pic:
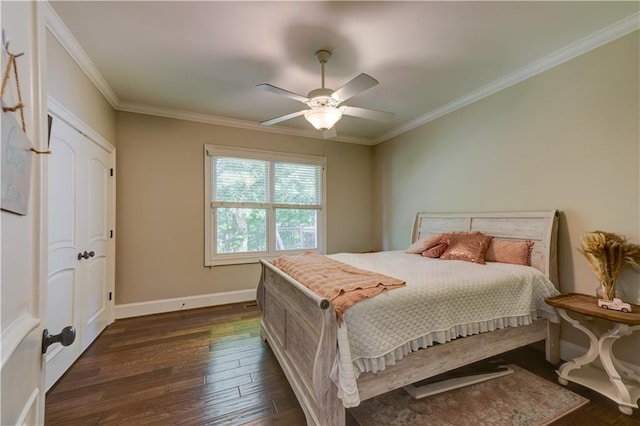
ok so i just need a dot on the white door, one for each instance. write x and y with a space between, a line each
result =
23 254
63 272
78 290
95 311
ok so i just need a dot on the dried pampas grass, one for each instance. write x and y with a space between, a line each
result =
608 253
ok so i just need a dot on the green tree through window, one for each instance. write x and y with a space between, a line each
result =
263 203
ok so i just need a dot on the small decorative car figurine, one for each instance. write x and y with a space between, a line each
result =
615 304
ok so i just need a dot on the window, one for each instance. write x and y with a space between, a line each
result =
261 204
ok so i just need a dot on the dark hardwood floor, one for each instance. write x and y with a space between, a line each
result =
210 366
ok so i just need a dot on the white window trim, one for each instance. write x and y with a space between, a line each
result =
213 259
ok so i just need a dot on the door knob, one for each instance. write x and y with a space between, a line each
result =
66 337
86 255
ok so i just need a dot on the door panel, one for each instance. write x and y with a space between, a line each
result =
61 290
62 172
95 300
97 197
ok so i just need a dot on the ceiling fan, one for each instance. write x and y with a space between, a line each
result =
325 107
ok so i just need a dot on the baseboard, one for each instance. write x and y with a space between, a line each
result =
129 310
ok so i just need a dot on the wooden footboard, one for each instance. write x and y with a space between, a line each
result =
300 327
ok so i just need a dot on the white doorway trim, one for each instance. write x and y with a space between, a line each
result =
59 111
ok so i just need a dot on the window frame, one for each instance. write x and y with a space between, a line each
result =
211 257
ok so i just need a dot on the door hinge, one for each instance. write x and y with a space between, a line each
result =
110 295
111 172
111 233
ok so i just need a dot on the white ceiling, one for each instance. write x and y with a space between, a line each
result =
202 59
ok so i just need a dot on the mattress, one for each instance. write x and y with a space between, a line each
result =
443 300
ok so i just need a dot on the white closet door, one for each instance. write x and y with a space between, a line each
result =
65 211
96 295
79 207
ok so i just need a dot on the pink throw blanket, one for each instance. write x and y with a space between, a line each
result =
343 285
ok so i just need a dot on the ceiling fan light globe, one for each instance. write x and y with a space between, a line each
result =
323 118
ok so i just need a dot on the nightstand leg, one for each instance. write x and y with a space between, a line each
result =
612 365
587 358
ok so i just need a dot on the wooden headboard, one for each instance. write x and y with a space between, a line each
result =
539 227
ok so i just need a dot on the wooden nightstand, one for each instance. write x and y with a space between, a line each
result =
608 382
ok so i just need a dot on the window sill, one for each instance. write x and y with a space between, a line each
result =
244 260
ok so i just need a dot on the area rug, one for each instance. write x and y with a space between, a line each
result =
520 398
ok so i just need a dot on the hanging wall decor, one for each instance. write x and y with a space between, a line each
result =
16 147
16 166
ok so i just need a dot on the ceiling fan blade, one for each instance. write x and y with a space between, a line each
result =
369 114
329 133
282 118
278 91
358 85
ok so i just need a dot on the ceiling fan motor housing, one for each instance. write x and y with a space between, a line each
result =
322 97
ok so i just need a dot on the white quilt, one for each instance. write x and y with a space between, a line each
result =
443 299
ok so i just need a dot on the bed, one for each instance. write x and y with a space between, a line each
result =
303 331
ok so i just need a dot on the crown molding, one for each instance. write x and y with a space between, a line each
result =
584 45
60 31
232 122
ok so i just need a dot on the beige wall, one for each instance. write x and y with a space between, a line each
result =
566 139
71 87
160 196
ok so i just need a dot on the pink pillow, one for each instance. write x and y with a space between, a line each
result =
435 251
516 252
467 246
426 243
